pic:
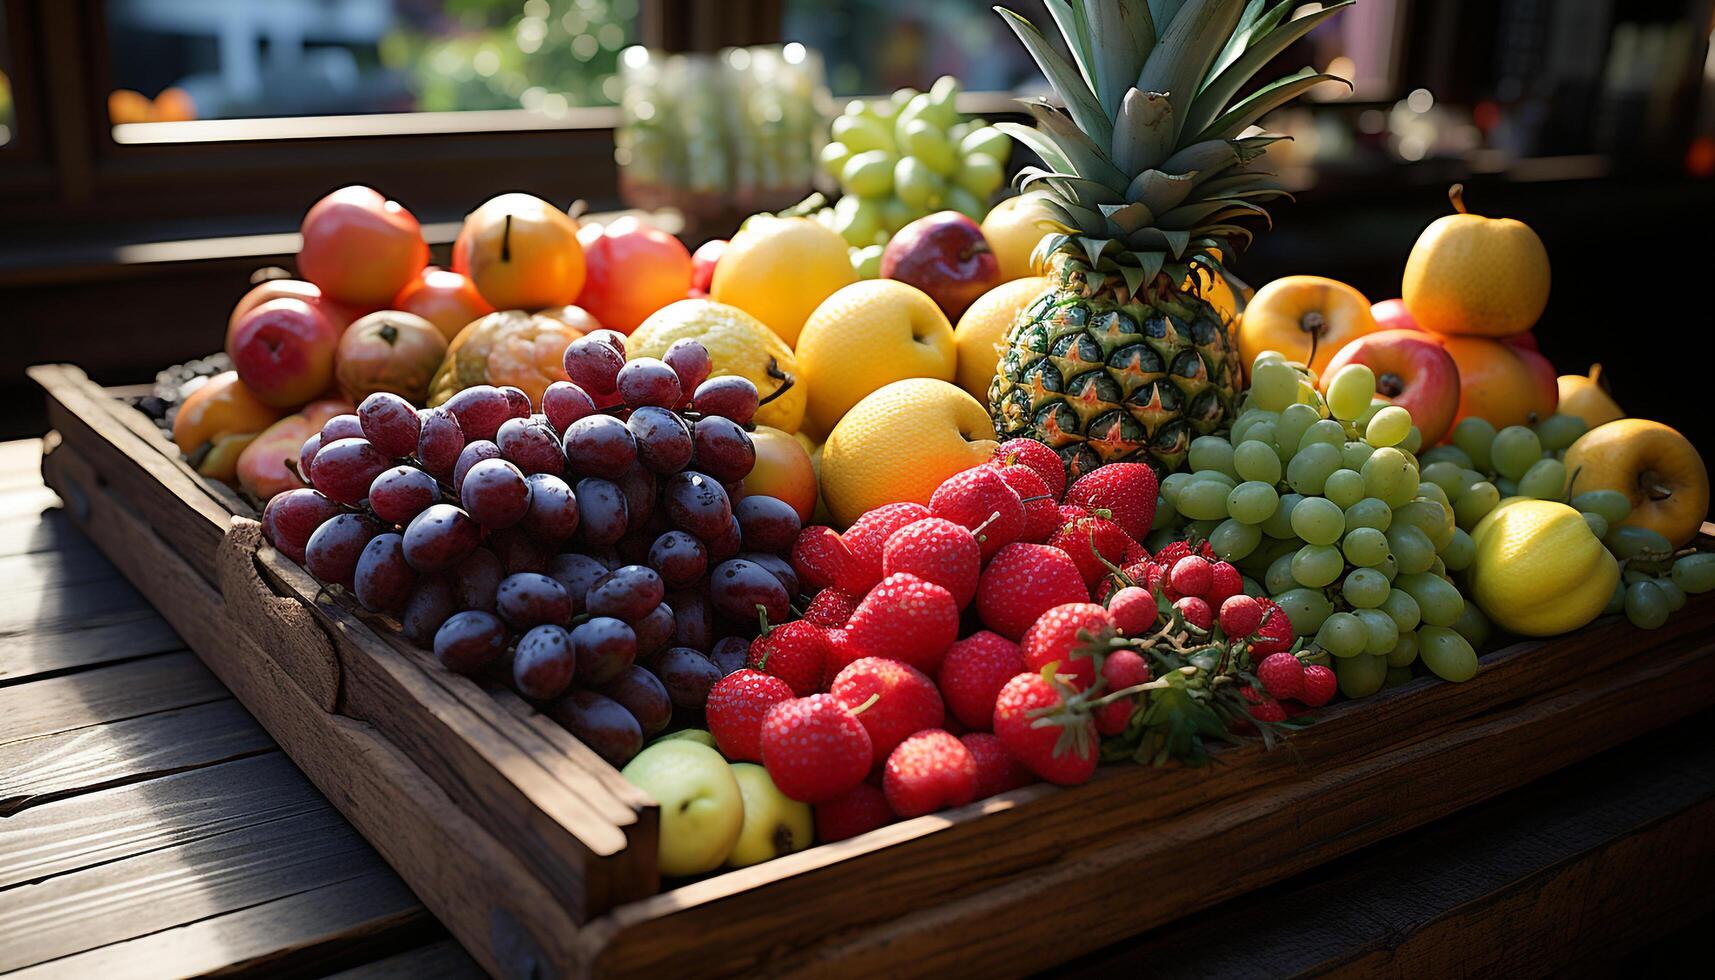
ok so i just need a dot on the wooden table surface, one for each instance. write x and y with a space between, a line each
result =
150 827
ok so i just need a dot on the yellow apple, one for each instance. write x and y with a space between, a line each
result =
773 824
701 809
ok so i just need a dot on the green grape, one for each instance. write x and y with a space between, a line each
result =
1324 430
1268 356
1316 566
1171 484
1389 567
1165 514
1675 594
1342 634
1318 521
1559 431
1214 476
1233 540
1646 605
1474 626
1389 427
1365 547
1411 548
1294 422
1379 630
1545 480
1432 491
1252 502
1479 499
1446 454
1474 437
1695 573
1253 588
1446 475
1403 610
1200 530
1279 524
1344 487
1459 550
1279 576
1360 676
1309 470
1156 540
1308 395
1365 588
1425 515
1508 488
1448 655
1404 652
1616 602
1437 567
1203 500
1611 504
1436 597
1274 384
1305 608
1256 461
1597 523
1263 432
1631 575
1514 449
1388 474
1250 420
1370 512
1413 440
1376 405
1350 391
1629 541
1212 453
1354 454
1471 478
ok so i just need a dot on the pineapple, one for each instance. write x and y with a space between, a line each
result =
1149 171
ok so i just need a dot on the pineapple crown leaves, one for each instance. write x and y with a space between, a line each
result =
1148 161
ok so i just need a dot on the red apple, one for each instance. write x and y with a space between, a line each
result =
945 255
631 270
703 263
283 351
1391 314
1412 371
361 248
339 314
447 299
1501 382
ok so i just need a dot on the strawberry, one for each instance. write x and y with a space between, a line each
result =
831 608
795 652
1127 490
815 748
1024 581
1191 576
1072 513
1319 686
1195 611
1092 543
1282 676
1038 458
907 619
929 771
1239 616
901 700
1133 611
975 670
997 770
936 550
1053 737
864 541
818 554
859 810
1060 635
1041 514
1268 709
1224 583
1276 630
735 709
979 499
841 654
1171 552
1135 553
1121 669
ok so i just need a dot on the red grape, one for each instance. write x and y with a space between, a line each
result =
531 445
519 550
383 580
698 504
628 592
565 403
728 396
592 363
479 409
553 513
687 675
529 599
641 693
340 427
605 647
291 517
331 553
470 640
599 445
723 449
544 662
495 494
476 579
577 573
740 589
430 604
600 723
693 620
648 381
440 537
401 493
390 422
730 653
307 456
769 523
680 558
610 337
517 401
728 544
601 512
346 467
663 440
690 361
777 566
472 454
655 630
440 443
638 485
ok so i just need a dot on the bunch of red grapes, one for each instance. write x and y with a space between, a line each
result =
599 555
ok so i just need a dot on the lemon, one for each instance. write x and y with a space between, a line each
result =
899 443
1538 570
738 344
1013 228
979 332
780 269
867 335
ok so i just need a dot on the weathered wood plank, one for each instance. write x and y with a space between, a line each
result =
63 569
35 609
43 652
436 961
52 531
96 756
141 687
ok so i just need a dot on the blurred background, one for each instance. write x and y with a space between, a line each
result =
154 152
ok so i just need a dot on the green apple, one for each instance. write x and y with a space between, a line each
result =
701 809
773 824
693 734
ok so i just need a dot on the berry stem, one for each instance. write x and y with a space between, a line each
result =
860 709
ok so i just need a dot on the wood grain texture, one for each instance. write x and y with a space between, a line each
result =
141 687
282 626
50 531
435 961
43 652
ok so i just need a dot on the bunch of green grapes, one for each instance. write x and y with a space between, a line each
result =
900 158
1320 502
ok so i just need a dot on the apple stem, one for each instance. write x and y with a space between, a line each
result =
1313 323
860 709
786 382
1456 194
506 240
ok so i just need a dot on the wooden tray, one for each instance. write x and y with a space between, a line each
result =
540 858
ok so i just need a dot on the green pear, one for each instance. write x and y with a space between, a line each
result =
702 811
773 824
